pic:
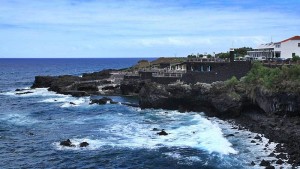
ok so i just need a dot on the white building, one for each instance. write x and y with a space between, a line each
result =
288 48
262 52
284 49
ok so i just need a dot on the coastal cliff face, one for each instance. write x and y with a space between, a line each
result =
216 99
274 114
279 103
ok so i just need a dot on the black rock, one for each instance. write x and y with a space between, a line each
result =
282 156
72 103
252 163
103 100
162 133
257 137
270 167
113 102
155 129
84 144
272 155
252 141
279 161
229 135
264 163
24 93
67 143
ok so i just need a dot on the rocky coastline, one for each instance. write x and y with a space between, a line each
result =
273 114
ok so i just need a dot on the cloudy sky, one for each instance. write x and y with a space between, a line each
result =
141 28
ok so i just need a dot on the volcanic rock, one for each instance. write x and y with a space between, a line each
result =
103 100
162 133
84 144
264 163
67 143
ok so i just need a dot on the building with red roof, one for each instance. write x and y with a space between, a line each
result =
284 49
288 47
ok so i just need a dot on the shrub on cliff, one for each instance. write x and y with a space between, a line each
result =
231 82
286 79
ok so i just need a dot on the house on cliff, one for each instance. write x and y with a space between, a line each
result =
284 49
196 70
287 48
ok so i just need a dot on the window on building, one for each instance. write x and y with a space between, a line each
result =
298 44
277 46
208 68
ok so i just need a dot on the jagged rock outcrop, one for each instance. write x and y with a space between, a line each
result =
103 100
88 84
132 86
274 114
280 103
215 99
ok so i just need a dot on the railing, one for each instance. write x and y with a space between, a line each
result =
208 60
159 74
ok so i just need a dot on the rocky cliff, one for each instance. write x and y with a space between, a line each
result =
99 83
216 99
274 114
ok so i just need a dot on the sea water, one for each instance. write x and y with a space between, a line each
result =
32 126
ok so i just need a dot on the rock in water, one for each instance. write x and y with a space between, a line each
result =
72 103
155 129
279 161
84 144
257 137
67 143
103 100
264 163
252 163
281 155
23 93
162 133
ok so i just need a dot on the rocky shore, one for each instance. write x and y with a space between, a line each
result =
273 114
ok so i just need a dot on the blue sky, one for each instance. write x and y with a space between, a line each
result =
140 28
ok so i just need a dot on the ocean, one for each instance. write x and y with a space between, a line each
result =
32 126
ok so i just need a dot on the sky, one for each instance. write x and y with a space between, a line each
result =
141 28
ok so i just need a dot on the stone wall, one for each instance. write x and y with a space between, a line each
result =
218 71
204 72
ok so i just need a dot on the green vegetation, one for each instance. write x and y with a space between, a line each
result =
295 58
223 55
285 79
231 82
241 52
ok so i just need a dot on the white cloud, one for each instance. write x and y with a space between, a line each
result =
96 26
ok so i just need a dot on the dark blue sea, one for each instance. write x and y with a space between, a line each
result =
32 126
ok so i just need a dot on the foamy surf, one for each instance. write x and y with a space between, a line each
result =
199 134
64 101
27 92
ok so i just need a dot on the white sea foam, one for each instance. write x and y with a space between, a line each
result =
93 144
75 102
254 151
201 134
33 92
51 97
